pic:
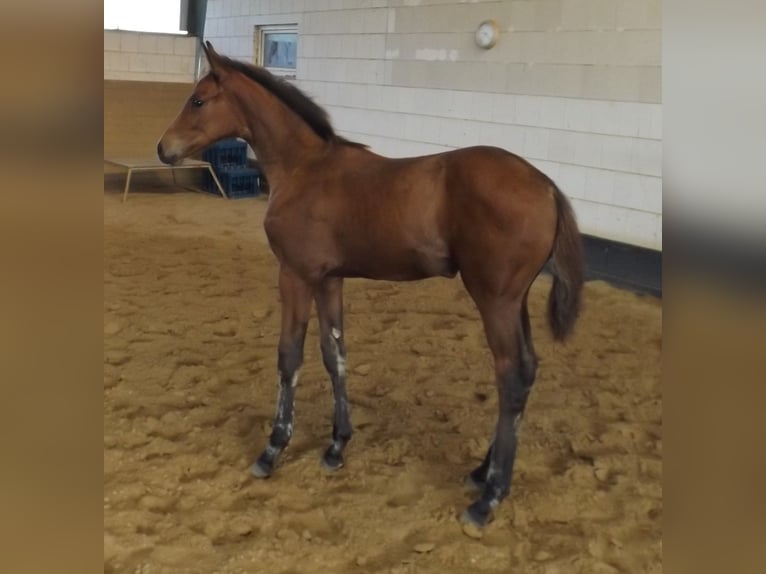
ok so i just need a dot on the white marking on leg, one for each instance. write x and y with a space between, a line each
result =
492 472
340 360
294 380
279 400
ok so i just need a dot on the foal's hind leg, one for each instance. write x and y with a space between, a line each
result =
296 309
504 324
329 300
528 365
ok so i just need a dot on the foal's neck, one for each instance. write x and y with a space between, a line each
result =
279 137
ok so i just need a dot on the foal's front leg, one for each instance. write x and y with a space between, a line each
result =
296 310
329 300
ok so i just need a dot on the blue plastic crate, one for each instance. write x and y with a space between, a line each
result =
226 154
236 182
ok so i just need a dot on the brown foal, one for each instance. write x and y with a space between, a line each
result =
338 210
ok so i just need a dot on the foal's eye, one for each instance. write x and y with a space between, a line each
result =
196 102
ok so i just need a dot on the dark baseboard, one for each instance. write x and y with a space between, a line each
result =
624 265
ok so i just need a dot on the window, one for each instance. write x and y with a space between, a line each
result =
276 48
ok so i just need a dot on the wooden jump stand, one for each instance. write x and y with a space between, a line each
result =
154 164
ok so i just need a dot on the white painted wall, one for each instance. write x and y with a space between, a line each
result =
149 57
572 85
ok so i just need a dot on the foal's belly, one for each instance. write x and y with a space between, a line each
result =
443 268
396 264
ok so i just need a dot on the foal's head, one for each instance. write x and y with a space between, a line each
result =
206 117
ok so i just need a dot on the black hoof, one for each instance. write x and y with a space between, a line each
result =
263 467
477 514
332 461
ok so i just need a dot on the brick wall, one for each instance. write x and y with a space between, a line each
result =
572 85
151 57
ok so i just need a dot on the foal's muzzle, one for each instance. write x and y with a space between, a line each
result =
164 158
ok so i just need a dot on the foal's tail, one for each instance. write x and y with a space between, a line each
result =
568 271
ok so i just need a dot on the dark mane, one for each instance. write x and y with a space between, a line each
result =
289 94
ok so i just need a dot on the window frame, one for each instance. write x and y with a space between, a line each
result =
258 49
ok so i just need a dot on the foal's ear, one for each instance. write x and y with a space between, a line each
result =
217 67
